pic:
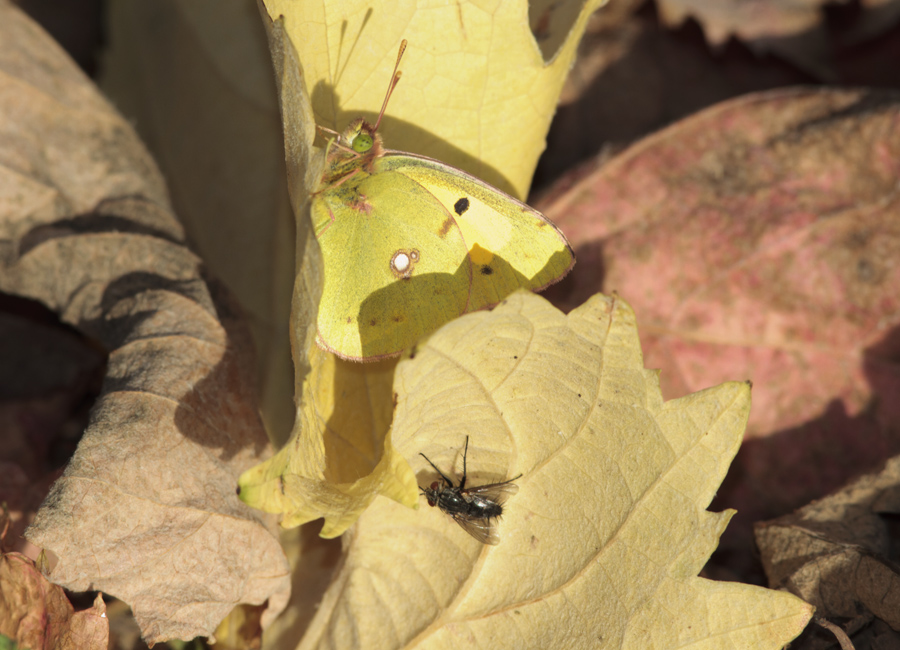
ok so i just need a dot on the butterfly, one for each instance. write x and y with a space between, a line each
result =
409 243
476 509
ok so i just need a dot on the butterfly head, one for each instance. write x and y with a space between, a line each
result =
351 152
362 138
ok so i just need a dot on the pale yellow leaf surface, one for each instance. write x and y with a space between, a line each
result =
321 474
476 91
336 460
602 544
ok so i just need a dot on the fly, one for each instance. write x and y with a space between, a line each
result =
475 509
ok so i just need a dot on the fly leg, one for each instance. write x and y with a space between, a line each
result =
462 481
447 480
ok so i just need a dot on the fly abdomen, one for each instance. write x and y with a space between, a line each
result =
481 508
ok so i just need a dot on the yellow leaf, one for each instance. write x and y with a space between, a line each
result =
321 473
603 542
476 91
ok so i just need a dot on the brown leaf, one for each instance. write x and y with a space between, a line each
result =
200 89
633 77
759 239
754 20
47 379
36 614
836 553
796 31
147 509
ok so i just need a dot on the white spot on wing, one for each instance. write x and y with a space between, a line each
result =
403 262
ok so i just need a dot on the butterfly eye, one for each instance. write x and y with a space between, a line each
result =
362 142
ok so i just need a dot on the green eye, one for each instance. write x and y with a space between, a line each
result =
362 143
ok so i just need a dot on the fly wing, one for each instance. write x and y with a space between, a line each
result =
496 492
484 530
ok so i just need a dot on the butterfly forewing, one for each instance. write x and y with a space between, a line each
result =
510 245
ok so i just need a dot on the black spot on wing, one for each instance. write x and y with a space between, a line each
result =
461 206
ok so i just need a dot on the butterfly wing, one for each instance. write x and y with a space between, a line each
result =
510 245
366 227
462 246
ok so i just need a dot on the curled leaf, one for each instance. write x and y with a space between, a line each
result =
146 510
836 552
337 458
199 89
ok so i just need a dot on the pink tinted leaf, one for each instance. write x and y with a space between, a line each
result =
759 239
36 613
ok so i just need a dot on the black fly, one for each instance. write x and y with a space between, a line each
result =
475 509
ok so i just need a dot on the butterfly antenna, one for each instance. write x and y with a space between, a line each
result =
394 79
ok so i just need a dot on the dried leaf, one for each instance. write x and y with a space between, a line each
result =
749 21
609 528
795 31
836 553
200 90
147 509
36 614
47 377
